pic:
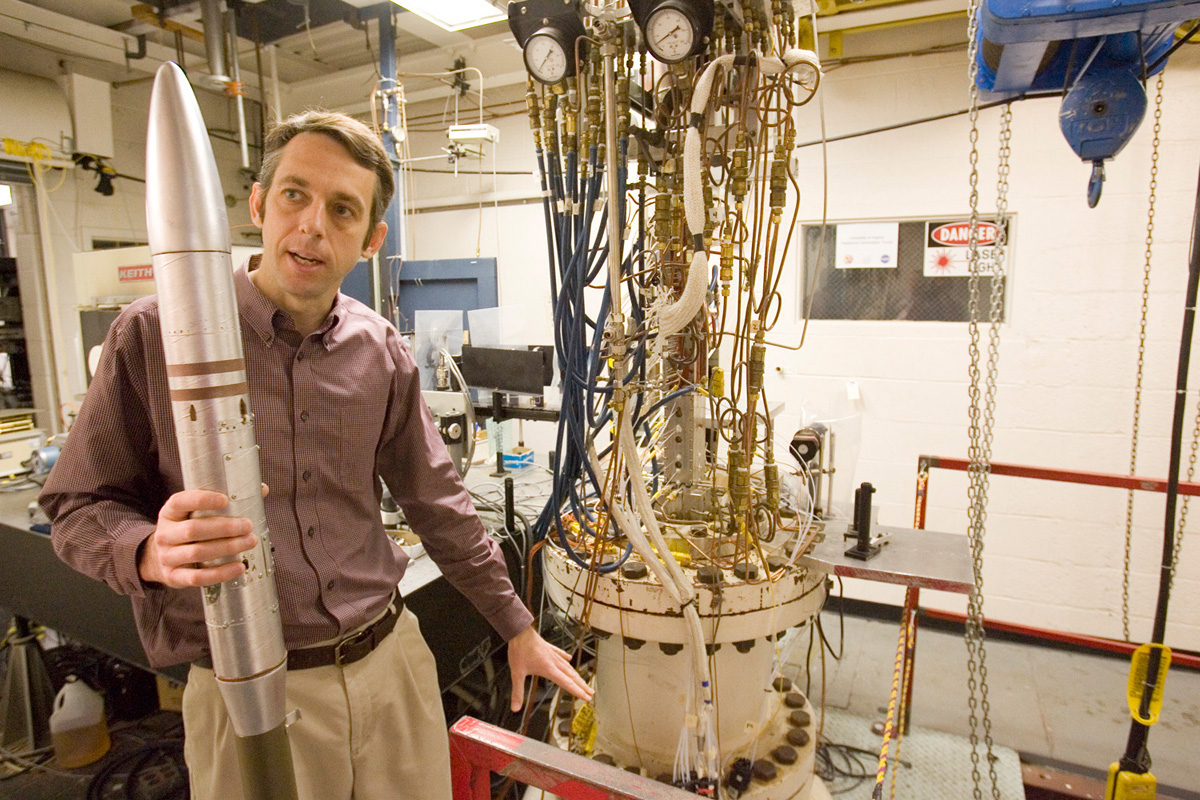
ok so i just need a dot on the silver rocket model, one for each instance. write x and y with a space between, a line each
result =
190 251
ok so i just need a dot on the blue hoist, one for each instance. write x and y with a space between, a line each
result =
1096 53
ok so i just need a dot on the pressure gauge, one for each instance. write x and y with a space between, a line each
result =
546 56
670 34
673 30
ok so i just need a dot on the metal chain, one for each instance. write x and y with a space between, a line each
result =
989 417
1183 507
981 415
1141 359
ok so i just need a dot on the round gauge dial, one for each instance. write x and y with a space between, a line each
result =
546 58
670 34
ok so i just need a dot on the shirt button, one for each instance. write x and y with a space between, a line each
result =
311 531
306 475
329 585
304 416
299 356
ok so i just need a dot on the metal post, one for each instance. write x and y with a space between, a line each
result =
393 247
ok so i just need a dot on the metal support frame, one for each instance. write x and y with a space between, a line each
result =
914 559
926 463
1060 475
27 697
478 749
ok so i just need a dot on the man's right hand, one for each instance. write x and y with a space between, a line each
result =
175 553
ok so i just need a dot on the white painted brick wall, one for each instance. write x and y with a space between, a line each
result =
1068 350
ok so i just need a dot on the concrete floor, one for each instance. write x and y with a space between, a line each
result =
1052 706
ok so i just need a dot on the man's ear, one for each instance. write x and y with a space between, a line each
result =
256 204
376 240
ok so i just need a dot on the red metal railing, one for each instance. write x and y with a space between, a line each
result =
478 749
926 463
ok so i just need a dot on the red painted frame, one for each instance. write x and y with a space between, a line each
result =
478 749
925 463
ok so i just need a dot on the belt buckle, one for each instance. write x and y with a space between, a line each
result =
353 648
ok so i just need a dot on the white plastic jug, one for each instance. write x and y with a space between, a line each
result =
77 725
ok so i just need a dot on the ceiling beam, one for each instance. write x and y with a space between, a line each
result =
77 39
73 37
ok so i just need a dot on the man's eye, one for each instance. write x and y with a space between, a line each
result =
291 194
344 211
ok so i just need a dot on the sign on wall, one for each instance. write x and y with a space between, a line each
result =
947 247
867 245
927 279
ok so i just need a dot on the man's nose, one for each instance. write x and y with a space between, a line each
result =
313 220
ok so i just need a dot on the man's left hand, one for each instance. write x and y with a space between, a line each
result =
530 654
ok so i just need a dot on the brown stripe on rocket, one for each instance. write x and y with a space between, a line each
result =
209 392
206 367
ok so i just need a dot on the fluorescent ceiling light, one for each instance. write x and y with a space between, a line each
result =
454 15
5 195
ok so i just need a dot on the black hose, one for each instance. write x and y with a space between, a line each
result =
1137 758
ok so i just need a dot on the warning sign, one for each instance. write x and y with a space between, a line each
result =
947 247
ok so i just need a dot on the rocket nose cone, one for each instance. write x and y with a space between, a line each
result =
185 206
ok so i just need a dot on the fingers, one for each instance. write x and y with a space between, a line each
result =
518 693
196 575
553 664
182 505
571 681
187 550
201 541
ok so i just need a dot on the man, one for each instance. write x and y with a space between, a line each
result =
337 403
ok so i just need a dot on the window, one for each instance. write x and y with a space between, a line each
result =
926 279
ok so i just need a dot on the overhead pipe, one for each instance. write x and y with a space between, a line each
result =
276 105
211 14
235 69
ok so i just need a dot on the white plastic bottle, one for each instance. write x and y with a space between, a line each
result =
78 727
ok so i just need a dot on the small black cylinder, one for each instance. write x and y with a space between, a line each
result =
510 508
862 514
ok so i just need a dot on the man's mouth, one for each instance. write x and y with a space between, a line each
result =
305 261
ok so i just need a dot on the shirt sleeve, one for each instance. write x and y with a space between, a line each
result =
103 495
414 463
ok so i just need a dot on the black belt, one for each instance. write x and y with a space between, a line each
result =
354 647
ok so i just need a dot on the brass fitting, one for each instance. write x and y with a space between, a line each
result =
771 479
739 170
758 361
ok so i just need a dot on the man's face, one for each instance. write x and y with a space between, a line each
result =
314 219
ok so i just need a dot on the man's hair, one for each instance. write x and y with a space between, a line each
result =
360 142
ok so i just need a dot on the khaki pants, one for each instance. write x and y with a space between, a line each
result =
373 730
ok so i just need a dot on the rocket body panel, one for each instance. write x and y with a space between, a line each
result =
184 200
199 312
214 427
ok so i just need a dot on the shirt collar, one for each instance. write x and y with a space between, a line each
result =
335 324
259 312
